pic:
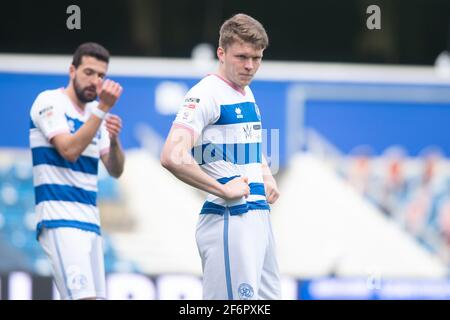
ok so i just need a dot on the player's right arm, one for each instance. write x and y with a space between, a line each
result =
176 157
70 146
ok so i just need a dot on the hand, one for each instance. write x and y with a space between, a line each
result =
271 188
113 125
108 92
236 189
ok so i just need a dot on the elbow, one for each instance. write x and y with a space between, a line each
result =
66 148
116 174
166 162
70 156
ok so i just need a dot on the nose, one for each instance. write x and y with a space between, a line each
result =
95 79
249 64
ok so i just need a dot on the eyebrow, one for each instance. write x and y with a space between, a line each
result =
93 70
248 55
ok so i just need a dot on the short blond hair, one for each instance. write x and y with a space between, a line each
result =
242 27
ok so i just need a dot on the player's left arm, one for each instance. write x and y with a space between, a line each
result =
114 160
270 185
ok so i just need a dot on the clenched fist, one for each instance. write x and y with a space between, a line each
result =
113 126
108 92
236 188
271 189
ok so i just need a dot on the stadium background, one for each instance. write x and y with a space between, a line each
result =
357 134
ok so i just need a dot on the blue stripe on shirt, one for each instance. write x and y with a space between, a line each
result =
226 179
238 209
76 123
236 153
210 207
238 113
256 188
58 192
50 156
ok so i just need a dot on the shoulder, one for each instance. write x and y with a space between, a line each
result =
91 105
50 94
249 93
47 98
202 93
205 87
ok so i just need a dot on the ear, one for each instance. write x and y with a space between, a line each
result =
220 54
72 71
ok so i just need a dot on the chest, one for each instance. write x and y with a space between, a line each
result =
75 122
236 123
236 113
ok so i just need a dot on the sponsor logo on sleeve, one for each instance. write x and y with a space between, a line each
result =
193 100
190 105
46 112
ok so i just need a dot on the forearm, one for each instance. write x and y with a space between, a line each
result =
270 185
72 146
189 172
116 159
265 168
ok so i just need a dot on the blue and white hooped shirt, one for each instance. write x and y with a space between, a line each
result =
65 192
230 134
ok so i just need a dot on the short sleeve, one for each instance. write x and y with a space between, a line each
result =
48 116
197 111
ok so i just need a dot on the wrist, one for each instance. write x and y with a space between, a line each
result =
103 107
269 180
223 191
266 171
114 141
99 113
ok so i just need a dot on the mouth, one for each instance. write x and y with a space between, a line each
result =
90 91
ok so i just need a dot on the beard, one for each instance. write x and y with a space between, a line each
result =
86 94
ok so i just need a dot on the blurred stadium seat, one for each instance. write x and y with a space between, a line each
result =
413 191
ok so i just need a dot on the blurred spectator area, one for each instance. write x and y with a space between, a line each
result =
413 191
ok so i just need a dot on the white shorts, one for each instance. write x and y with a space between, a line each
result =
238 256
77 261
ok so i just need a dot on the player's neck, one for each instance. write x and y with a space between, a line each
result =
70 92
221 74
